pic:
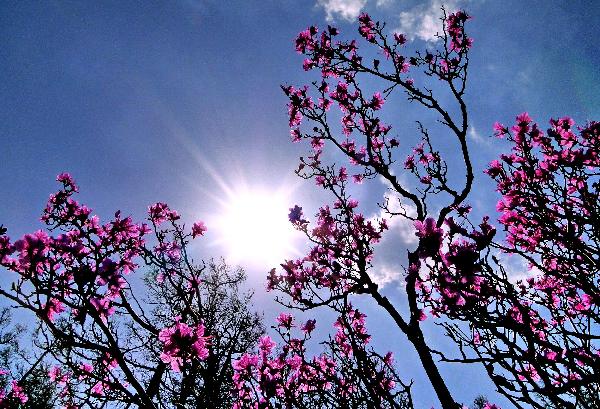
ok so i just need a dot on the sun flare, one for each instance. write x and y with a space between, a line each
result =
254 227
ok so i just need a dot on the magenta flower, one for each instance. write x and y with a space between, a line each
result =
266 344
285 320
160 212
102 305
366 27
99 388
500 130
305 41
430 235
400 38
17 392
53 307
309 326
377 101
296 216
181 343
198 229
67 180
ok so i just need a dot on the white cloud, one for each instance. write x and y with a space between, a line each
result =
384 3
388 268
517 268
346 9
525 76
398 224
423 21
386 274
401 225
476 136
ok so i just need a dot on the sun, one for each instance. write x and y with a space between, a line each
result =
254 229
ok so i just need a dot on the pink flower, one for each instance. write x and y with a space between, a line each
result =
98 388
266 344
430 235
54 373
551 355
160 212
529 373
198 229
377 101
523 118
400 38
67 180
494 169
366 27
500 130
296 216
52 308
102 305
285 320
358 179
245 362
309 326
305 41
181 343
18 393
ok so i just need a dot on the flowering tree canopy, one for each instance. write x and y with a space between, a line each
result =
191 339
537 338
24 382
105 344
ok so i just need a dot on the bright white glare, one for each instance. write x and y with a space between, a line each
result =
254 228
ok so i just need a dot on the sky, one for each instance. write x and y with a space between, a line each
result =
180 102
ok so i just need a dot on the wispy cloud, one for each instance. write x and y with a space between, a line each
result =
398 224
423 21
476 137
384 3
345 9
386 274
516 267
388 268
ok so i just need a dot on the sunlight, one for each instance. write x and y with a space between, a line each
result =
254 228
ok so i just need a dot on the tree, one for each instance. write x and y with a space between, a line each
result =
348 374
536 338
225 314
110 348
540 335
23 384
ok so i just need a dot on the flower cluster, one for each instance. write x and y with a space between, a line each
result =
340 375
340 262
454 280
181 343
339 244
86 256
160 212
550 194
366 27
14 397
455 25
73 276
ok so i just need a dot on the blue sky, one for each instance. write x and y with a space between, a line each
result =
173 101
